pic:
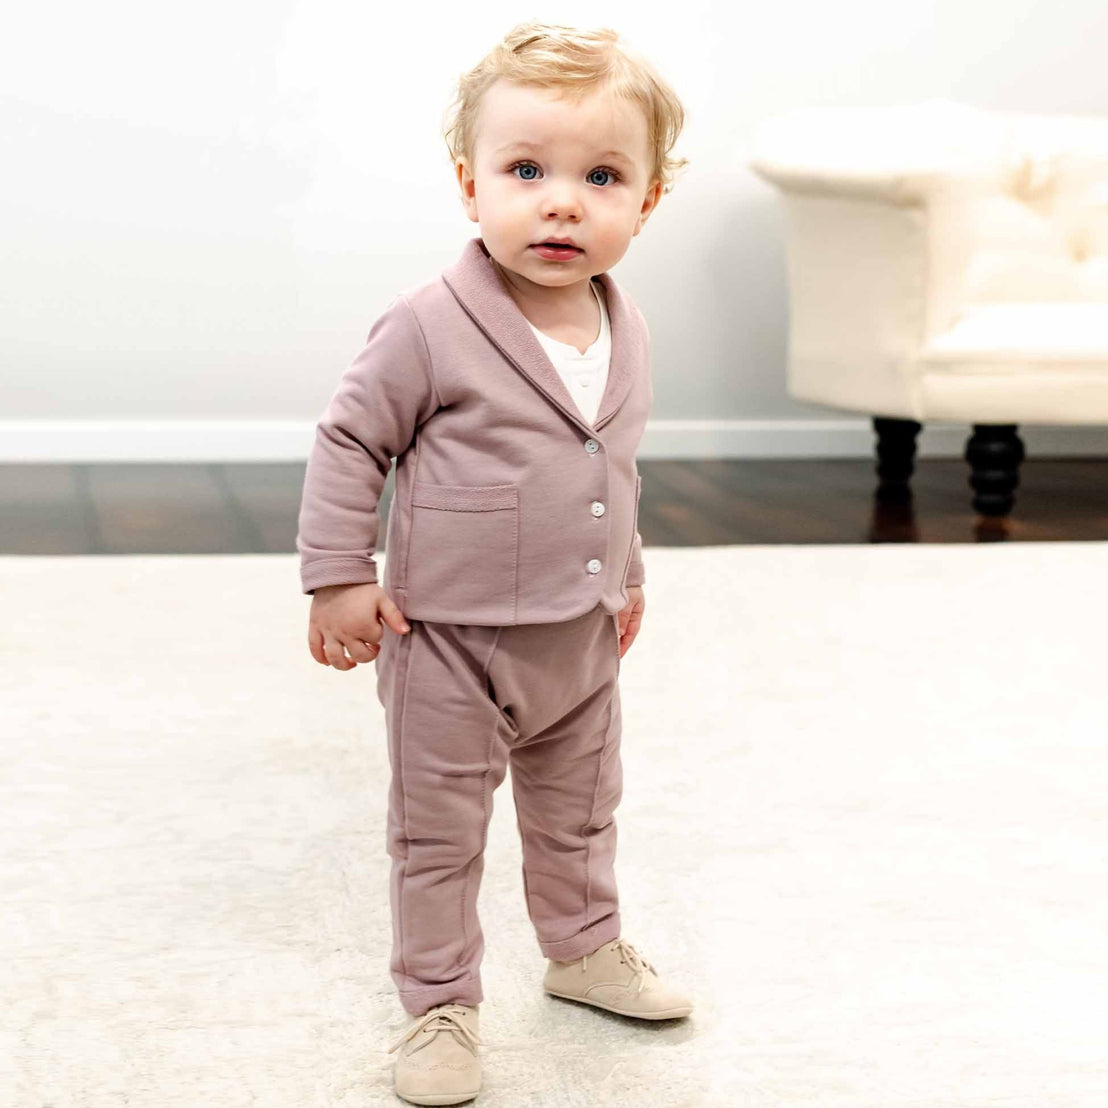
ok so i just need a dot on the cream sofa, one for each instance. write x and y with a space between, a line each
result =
945 263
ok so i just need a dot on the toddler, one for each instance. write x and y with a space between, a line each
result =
512 391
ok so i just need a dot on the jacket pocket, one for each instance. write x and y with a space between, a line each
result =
463 552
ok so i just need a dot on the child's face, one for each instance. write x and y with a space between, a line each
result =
564 184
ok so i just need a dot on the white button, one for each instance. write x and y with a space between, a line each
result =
592 446
597 508
594 565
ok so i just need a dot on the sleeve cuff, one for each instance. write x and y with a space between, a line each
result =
340 571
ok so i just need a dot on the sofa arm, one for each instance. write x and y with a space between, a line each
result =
894 155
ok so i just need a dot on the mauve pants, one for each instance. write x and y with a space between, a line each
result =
460 702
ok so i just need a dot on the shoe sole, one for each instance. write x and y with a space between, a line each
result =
438 1098
671 1013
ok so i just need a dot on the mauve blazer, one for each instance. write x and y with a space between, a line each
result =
509 507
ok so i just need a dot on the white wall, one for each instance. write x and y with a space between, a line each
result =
206 206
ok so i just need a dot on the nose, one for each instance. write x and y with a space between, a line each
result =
562 201
564 212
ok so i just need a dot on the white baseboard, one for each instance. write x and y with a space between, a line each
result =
87 441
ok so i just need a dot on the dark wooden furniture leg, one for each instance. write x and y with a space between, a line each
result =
994 452
896 453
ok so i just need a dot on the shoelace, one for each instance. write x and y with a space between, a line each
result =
632 957
453 1019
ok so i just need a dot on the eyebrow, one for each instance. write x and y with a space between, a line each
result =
538 146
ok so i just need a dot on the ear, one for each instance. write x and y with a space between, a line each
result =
468 187
650 202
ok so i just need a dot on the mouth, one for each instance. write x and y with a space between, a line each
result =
560 246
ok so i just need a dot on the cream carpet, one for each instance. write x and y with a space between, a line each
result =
864 822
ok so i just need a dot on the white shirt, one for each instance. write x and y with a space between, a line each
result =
585 375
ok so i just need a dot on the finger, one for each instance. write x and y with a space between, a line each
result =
315 645
361 650
393 616
333 648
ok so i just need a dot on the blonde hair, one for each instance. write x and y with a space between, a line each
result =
577 63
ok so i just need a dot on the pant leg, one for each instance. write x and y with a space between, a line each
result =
447 758
557 686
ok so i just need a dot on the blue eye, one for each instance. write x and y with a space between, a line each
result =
531 165
611 172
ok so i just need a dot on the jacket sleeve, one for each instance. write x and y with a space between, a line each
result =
386 392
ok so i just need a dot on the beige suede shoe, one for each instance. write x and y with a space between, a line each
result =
618 978
440 1066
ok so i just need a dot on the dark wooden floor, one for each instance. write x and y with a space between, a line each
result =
252 508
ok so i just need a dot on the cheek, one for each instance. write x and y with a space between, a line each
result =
509 193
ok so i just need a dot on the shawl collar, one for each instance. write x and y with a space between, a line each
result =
481 291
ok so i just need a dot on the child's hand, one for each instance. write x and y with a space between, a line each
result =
630 618
349 617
